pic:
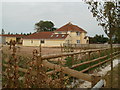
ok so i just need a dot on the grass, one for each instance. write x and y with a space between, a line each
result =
116 78
69 62
93 56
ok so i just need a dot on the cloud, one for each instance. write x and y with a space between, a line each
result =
0 16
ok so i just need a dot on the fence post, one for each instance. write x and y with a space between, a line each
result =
89 60
61 48
99 56
72 59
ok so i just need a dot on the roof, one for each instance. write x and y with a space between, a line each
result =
70 27
58 36
86 37
12 35
46 35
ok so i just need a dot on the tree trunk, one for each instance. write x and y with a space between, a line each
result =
111 56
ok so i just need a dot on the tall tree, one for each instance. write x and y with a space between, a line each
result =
3 32
44 26
107 14
9 33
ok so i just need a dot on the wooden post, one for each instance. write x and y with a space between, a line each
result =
72 59
99 56
61 48
89 60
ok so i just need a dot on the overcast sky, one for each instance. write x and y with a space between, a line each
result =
20 17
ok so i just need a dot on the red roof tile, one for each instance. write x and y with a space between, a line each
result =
45 35
39 35
70 27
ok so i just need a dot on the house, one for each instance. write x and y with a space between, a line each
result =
68 33
7 37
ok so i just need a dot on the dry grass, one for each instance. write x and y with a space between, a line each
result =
29 80
12 78
27 51
116 78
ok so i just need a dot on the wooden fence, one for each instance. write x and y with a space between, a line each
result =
90 58
89 46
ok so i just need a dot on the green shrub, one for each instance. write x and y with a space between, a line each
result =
68 62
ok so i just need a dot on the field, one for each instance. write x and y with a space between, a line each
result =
27 51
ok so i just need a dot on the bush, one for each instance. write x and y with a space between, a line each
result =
68 62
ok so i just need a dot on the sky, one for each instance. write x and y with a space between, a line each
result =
20 17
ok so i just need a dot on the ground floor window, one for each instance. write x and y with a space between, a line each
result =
78 41
31 41
42 41
68 41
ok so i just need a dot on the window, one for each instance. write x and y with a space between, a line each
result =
57 35
78 41
51 35
42 41
78 33
31 41
63 35
59 32
68 41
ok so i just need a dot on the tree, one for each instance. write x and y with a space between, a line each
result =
44 26
30 33
24 34
8 33
117 37
3 32
107 14
98 39
117 32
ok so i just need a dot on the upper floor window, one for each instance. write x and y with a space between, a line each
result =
63 35
78 41
78 33
57 35
51 35
59 32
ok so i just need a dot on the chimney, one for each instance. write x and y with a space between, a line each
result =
70 23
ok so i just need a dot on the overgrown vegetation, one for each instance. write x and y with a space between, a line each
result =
12 78
36 75
116 76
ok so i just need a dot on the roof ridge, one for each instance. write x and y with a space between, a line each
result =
70 27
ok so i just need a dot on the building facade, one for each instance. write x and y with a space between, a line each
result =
6 38
68 33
